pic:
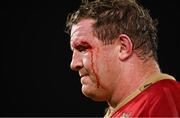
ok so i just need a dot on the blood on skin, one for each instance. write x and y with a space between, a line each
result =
80 45
92 65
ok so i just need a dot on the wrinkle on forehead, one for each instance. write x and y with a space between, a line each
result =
83 28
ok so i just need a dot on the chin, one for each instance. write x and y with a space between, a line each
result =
93 94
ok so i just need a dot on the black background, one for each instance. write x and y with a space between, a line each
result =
37 80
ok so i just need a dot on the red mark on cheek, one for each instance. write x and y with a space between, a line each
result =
93 70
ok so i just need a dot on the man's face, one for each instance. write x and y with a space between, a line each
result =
95 61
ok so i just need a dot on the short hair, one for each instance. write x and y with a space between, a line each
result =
115 17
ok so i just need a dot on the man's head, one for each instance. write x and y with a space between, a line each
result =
105 34
97 63
115 17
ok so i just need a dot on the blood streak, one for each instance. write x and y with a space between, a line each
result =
86 45
92 65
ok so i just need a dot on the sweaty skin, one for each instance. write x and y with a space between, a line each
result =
96 62
80 45
92 66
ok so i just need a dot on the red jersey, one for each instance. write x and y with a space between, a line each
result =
159 98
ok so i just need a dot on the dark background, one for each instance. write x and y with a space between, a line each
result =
37 80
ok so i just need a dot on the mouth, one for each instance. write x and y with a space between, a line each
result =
82 75
83 78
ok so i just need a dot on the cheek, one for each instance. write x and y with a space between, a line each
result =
90 63
103 62
87 62
107 68
90 60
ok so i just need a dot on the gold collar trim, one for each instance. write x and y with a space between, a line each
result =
153 79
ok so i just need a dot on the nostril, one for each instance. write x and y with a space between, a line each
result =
75 67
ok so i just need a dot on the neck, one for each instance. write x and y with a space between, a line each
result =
135 73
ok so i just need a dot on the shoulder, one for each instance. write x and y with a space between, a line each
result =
161 99
164 87
164 98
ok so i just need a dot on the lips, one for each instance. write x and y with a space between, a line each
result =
83 75
83 78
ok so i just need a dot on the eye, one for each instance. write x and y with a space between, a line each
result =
81 48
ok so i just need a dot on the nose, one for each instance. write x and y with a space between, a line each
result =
76 62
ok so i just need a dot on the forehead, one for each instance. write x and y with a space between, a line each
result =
82 29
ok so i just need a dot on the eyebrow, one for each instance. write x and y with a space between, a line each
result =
81 43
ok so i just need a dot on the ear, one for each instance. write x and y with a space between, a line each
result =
126 46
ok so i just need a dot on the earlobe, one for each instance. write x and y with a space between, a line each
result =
126 46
